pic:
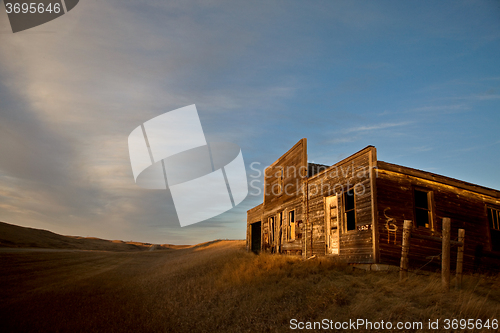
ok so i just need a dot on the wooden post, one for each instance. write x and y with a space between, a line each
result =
460 258
403 269
445 262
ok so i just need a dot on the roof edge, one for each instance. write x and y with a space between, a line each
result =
438 178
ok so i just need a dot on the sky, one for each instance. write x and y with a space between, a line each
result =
419 80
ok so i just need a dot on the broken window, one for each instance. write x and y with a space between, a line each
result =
423 213
291 225
350 210
494 221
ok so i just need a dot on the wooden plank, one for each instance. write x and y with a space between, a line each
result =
445 255
460 258
373 203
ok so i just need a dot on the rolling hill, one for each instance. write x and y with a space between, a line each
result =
13 236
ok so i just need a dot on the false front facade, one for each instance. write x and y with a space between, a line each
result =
354 210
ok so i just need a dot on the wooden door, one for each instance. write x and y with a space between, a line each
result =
332 225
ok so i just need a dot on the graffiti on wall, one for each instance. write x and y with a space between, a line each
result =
390 225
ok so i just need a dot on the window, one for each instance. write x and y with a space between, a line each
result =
349 210
494 221
291 225
423 212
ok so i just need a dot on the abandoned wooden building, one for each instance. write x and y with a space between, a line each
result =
354 210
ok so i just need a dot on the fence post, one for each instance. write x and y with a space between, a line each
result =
445 262
460 258
403 269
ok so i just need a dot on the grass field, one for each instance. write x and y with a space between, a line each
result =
216 287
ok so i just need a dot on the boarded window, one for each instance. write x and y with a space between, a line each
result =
494 221
422 209
350 210
291 225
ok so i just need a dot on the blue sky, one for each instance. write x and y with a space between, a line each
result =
419 80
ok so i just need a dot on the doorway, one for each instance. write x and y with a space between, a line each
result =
256 236
332 225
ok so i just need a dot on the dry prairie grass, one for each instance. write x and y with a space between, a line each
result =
217 287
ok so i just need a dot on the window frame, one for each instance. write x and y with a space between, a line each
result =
491 226
430 208
289 225
344 211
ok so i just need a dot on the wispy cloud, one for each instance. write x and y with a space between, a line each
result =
64 120
486 96
494 78
421 149
436 109
361 133
446 108
376 127
342 140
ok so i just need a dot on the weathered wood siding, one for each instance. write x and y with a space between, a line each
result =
283 193
351 173
464 203
293 164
